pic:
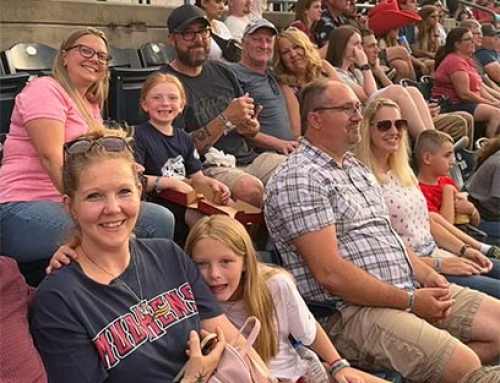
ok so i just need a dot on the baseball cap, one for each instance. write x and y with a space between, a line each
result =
183 16
489 30
257 24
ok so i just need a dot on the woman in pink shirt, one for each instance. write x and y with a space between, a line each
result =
49 112
456 78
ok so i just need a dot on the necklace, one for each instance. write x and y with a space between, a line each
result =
139 298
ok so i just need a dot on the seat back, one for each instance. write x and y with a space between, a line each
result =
156 54
124 58
10 86
424 85
33 58
124 94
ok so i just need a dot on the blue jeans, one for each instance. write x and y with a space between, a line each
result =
492 228
31 231
487 283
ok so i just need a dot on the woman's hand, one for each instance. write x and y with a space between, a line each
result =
360 56
63 256
349 375
479 259
460 266
200 367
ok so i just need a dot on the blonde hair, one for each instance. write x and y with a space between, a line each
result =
399 161
314 62
256 295
97 92
429 141
160 78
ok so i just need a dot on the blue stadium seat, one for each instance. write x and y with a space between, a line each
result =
33 58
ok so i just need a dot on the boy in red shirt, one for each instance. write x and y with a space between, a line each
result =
435 156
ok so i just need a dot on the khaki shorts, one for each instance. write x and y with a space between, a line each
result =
394 339
457 125
262 168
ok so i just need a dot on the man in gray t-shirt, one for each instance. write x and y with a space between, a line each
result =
256 79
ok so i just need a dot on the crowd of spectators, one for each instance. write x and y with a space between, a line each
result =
326 126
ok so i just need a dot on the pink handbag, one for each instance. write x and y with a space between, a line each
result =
236 364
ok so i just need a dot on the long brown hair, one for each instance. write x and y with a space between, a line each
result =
426 38
97 92
256 295
337 44
301 6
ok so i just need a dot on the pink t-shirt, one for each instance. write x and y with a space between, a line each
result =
22 176
451 64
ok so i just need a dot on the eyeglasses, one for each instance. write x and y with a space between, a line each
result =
89 52
85 145
385 125
349 109
191 35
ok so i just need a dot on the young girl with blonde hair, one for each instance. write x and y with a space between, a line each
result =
222 249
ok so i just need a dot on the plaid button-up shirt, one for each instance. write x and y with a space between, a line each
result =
309 192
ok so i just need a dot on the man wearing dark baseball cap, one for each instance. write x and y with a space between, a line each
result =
487 55
185 15
217 113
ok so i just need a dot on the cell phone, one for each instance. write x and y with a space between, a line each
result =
208 343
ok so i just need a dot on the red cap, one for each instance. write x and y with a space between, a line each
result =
386 15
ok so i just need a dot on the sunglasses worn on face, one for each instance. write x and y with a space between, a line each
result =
385 125
85 145
89 52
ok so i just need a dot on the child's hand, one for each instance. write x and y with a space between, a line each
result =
63 256
462 206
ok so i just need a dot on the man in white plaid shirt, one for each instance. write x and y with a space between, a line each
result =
327 216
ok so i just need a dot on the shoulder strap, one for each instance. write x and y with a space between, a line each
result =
252 335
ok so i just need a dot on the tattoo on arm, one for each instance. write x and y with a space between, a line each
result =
201 139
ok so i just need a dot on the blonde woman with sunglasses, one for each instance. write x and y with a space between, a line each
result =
384 149
50 111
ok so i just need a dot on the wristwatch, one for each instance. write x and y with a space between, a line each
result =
463 250
411 302
365 67
156 186
336 366
228 125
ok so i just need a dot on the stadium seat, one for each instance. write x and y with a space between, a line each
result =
156 54
33 58
124 58
424 85
10 86
124 94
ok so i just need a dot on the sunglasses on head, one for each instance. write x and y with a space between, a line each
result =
385 125
85 145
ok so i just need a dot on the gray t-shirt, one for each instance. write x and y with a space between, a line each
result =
209 94
484 187
265 91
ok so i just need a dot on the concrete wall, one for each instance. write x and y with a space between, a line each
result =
126 24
